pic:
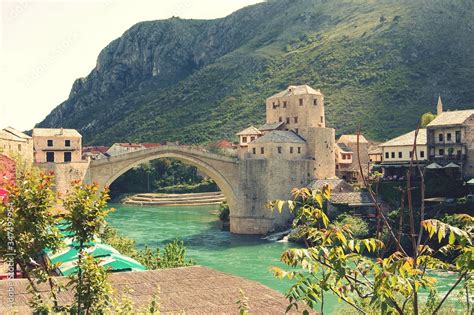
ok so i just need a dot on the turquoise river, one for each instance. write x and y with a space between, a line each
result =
245 256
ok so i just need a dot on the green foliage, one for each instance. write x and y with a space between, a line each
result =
334 261
86 208
93 290
224 212
243 303
162 175
27 227
358 227
173 255
426 118
371 70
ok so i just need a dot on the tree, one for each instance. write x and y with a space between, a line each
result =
334 261
426 118
86 211
27 227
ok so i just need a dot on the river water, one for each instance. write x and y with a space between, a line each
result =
198 226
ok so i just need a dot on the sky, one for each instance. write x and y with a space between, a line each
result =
45 45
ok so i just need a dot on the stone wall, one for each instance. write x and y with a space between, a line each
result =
321 147
66 173
261 181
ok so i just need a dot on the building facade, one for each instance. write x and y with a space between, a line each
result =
57 145
451 140
397 153
295 129
347 159
15 143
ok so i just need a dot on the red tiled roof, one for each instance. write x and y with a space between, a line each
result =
96 149
224 144
150 145
130 145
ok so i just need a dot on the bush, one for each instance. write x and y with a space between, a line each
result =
358 227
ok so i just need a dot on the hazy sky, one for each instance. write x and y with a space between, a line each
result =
45 45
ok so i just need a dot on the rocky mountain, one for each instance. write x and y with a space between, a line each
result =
380 63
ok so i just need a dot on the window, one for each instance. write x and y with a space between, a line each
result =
459 153
458 136
67 157
299 150
284 104
252 138
287 120
296 120
400 155
262 150
393 155
254 151
280 119
315 102
422 154
441 152
19 147
387 155
343 156
322 119
49 156
440 137
296 130
279 150
301 102
291 150
411 154
274 105
50 143
244 139
448 136
67 143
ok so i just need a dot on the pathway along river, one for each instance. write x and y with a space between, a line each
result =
198 226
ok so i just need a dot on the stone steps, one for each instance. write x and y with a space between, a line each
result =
175 199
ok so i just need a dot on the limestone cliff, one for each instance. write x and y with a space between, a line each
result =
197 80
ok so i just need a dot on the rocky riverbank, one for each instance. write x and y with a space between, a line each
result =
156 199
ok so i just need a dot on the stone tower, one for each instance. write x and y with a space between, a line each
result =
301 108
439 107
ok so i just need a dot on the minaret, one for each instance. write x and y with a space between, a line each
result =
439 108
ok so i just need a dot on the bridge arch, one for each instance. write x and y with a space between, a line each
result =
223 170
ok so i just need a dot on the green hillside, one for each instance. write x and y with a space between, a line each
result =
380 64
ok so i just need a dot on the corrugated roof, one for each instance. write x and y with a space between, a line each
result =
351 139
457 117
297 90
280 136
249 131
49 132
272 126
407 139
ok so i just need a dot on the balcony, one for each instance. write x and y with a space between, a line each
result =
448 157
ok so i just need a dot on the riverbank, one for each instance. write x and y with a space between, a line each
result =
159 199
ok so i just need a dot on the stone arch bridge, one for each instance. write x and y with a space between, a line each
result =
248 184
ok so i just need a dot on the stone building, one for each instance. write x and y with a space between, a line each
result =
347 160
94 152
15 143
121 148
278 144
57 145
397 152
248 135
451 140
